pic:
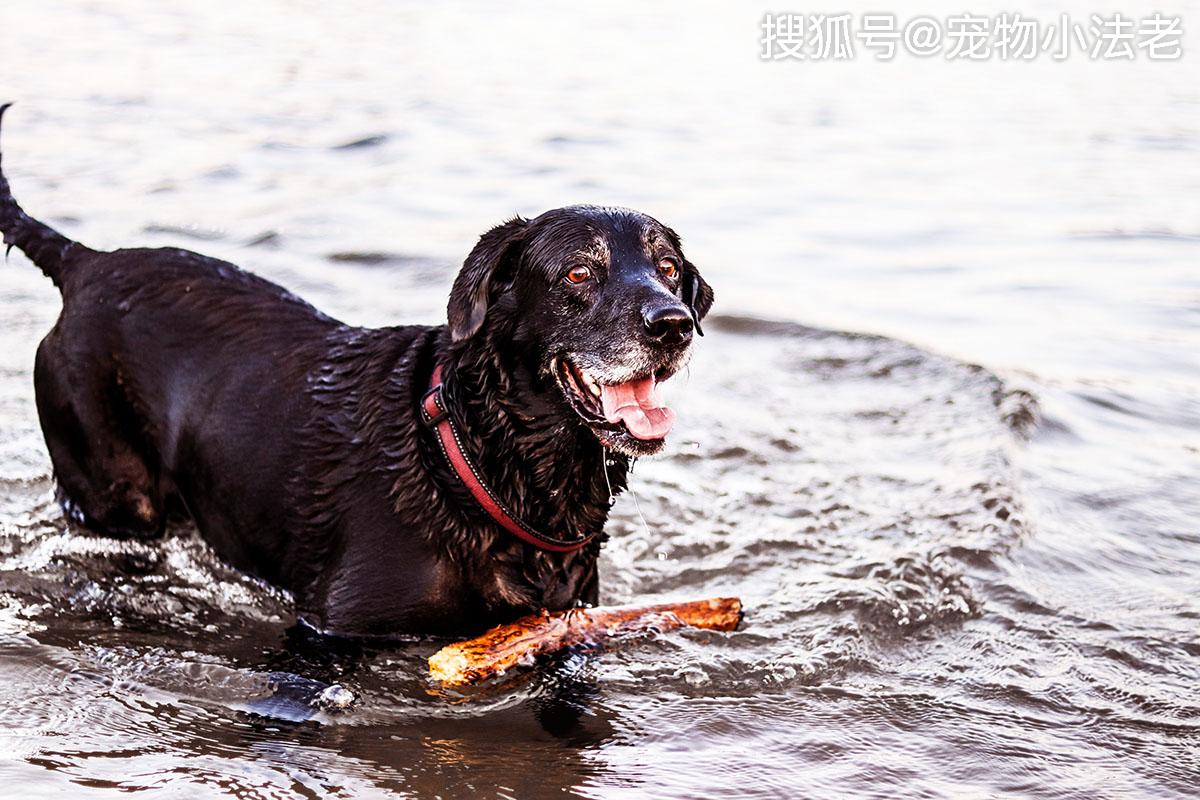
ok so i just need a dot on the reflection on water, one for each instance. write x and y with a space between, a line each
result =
960 581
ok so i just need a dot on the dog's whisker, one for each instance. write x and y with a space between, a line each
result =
638 508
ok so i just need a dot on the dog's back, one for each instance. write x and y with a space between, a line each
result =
134 404
175 381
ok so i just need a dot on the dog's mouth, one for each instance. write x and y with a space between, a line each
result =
632 406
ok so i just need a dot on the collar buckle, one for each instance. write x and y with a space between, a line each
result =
433 406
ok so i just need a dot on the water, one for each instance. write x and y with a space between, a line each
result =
961 580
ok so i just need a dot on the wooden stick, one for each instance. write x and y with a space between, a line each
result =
506 646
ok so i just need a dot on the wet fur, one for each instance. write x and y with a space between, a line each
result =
174 382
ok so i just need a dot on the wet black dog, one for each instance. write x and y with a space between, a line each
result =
296 442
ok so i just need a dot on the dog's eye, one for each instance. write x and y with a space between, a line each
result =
668 268
578 274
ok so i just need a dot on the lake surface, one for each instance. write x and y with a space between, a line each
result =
942 437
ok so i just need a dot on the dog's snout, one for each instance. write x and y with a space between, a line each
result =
668 324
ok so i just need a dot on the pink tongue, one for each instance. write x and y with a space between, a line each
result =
636 404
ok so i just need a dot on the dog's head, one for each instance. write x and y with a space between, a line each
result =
599 303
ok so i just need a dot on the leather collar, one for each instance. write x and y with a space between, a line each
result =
436 416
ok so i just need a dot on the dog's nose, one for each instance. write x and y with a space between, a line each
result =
668 324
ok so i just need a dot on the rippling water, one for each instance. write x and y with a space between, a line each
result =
961 580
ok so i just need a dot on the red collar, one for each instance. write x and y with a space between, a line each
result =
435 415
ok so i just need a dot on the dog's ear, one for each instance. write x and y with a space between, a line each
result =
697 294
491 260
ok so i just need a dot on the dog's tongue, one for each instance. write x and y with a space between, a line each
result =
636 404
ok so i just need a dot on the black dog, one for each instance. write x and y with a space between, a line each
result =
313 453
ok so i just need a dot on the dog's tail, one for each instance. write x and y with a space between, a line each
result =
44 246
